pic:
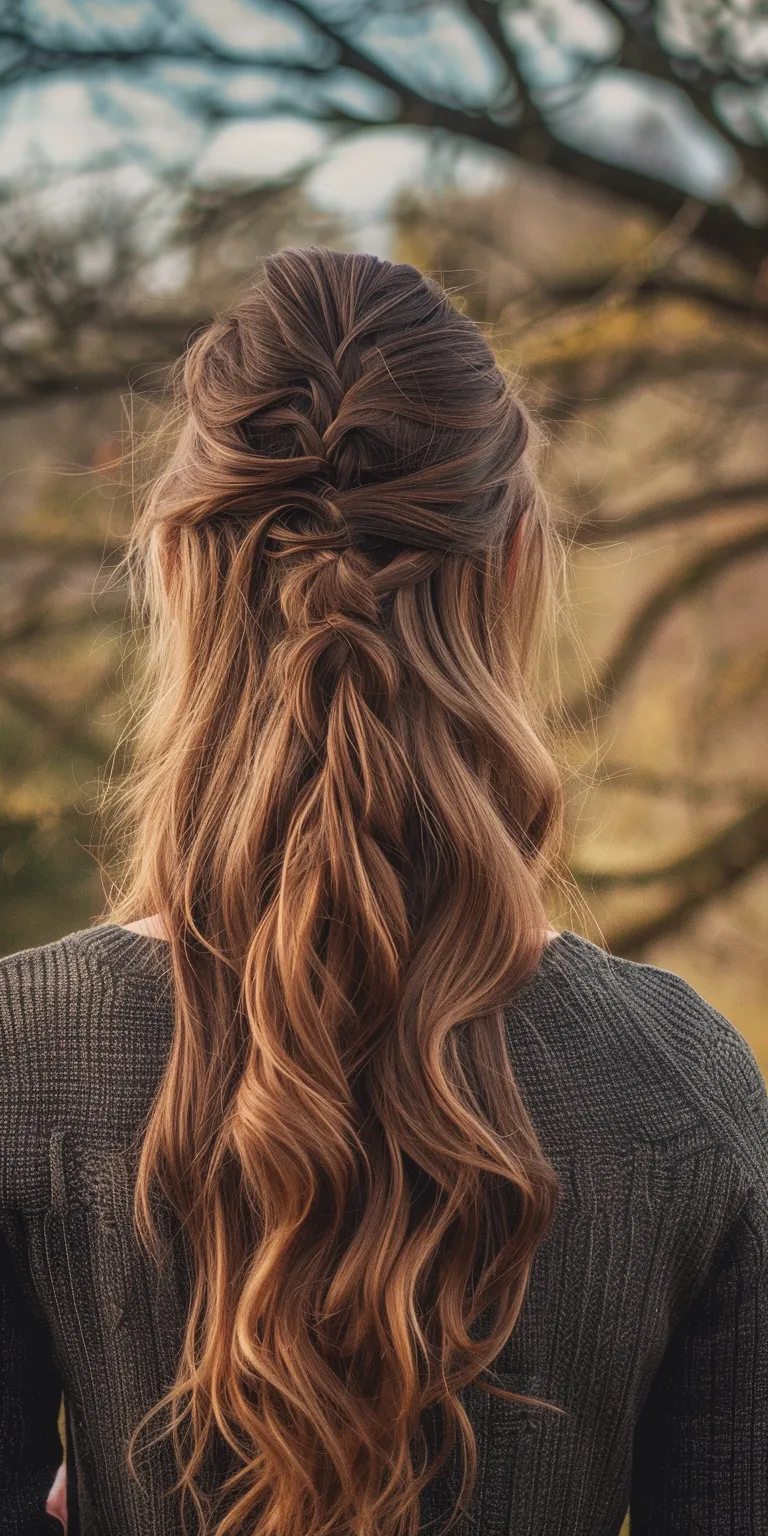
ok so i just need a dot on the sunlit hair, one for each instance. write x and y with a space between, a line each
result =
342 807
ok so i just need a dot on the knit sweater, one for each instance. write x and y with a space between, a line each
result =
646 1316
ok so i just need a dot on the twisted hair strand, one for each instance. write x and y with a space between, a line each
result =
344 810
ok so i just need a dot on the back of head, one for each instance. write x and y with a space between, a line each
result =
343 812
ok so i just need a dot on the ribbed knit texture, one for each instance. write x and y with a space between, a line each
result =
647 1313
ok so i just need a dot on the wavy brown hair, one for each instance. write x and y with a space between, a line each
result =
343 810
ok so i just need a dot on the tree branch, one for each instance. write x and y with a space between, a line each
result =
642 51
641 629
531 138
734 846
709 871
62 732
69 548
486 13
676 509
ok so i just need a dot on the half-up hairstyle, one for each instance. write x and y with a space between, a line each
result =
342 809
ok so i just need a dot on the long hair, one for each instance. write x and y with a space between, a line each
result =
343 809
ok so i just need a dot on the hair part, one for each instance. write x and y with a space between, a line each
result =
343 807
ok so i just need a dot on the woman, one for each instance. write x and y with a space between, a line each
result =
340 1194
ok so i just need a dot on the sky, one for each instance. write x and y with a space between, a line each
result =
153 119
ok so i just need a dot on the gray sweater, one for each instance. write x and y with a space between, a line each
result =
647 1313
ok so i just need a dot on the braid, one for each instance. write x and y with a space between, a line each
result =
344 812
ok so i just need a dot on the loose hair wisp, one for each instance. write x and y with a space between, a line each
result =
343 810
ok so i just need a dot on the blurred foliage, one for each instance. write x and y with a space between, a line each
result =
70 338
648 366
638 331
642 98
645 357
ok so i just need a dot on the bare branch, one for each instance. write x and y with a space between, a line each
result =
709 871
63 732
675 786
486 12
531 137
634 642
81 386
676 509
734 847
642 51
70 548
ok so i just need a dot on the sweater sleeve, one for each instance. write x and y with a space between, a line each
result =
700 1453
30 1448
700 1458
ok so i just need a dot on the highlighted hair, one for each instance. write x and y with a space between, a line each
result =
343 809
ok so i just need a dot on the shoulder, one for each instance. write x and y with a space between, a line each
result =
46 989
79 1035
709 1062
37 983
644 1053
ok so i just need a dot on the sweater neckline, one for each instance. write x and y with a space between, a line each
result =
127 942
